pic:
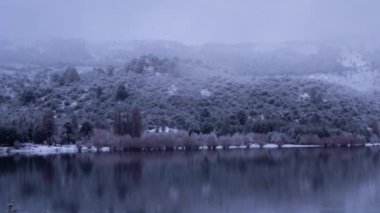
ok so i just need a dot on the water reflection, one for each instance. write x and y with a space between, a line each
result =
287 180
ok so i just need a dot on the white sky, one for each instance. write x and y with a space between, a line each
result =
189 21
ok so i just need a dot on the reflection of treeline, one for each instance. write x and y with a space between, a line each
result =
263 175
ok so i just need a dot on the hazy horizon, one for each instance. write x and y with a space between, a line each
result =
189 22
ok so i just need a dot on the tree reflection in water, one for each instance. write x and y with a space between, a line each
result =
281 180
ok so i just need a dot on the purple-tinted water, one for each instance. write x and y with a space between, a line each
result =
276 180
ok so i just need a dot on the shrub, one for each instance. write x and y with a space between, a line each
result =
136 123
120 125
375 127
70 75
121 93
260 139
102 137
27 96
242 117
86 130
46 129
68 134
207 127
266 126
320 131
8 136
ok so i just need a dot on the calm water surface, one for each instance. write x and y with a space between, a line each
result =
281 180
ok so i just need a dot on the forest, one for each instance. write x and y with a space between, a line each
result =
218 98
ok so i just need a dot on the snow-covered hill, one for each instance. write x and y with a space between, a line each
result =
358 73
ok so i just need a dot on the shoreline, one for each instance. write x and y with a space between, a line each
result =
43 150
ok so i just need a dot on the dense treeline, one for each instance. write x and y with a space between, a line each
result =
168 94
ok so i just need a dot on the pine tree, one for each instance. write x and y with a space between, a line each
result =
110 70
120 124
242 117
121 93
376 127
136 123
86 130
75 126
8 136
48 126
99 92
71 75
68 133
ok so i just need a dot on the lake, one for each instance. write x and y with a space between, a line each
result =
260 180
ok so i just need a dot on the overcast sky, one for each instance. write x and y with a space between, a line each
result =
189 21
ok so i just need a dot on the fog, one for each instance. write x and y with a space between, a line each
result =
80 77
190 22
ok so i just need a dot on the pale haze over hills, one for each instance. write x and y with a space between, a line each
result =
190 22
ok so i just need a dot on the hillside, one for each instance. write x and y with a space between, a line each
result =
183 94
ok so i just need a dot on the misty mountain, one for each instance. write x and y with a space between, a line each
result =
206 93
54 51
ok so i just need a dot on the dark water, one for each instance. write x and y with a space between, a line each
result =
287 180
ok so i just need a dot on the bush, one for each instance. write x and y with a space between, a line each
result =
27 96
48 125
136 123
151 63
121 93
266 126
70 75
8 136
101 138
312 130
68 134
207 127
86 130
242 117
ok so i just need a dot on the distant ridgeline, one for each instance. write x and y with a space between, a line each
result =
173 101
